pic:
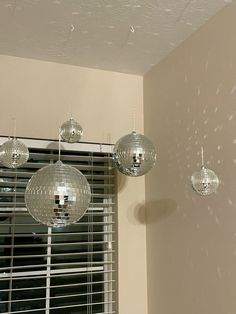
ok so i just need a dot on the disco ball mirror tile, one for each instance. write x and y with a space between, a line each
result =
71 131
13 153
134 154
57 195
205 181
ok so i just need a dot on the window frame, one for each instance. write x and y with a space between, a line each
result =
108 238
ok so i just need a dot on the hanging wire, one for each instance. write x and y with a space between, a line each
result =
183 10
71 111
13 224
130 31
91 240
202 156
68 36
59 145
134 117
14 127
90 247
109 218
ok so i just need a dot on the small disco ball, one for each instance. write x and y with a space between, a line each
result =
71 131
134 155
205 181
57 195
13 153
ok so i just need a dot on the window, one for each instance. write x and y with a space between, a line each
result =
59 270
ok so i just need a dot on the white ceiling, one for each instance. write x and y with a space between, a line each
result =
118 35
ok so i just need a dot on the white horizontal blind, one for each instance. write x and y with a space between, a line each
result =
59 270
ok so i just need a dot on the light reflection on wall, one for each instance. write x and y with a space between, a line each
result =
190 101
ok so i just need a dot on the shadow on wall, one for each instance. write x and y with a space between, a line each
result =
159 210
151 212
136 213
55 146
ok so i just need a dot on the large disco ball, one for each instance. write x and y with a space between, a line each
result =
57 195
13 153
205 181
71 131
134 154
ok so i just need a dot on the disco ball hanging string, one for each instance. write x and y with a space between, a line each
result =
71 131
134 154
205 181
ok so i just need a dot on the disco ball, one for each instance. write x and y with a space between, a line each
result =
205 181
57 195
13 153
134 155
71 131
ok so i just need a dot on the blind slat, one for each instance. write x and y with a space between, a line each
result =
24 174
42 245
64 156
56 275
12 268
81 224
63 307
59 297
38 165
61 254
22 204
13 184
60 286
94 214
55 234
22 194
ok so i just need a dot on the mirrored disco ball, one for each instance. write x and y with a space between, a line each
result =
71 131
134 154
13 153
57 195
205 181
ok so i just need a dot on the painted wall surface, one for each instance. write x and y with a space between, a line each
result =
41 96
189 101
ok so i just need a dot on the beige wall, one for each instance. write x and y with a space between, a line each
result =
189 101
45 93
40 96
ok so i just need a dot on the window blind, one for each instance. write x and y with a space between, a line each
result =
72 269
